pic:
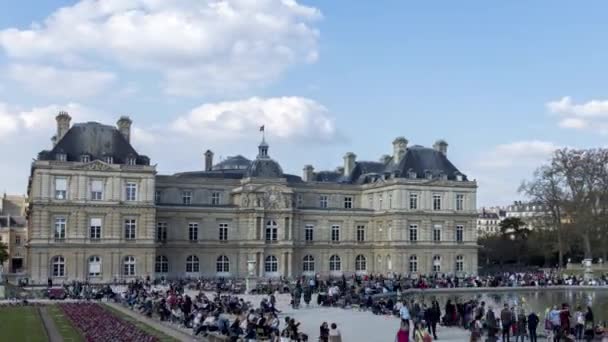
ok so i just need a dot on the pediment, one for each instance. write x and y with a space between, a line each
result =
95 165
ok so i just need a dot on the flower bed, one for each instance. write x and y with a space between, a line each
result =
98 324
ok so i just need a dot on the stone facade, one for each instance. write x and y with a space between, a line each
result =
13 233
367 217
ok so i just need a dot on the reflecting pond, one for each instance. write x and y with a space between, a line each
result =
536 300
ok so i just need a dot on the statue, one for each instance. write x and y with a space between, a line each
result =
250 274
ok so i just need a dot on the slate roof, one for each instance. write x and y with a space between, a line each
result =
233 163
96 140
265 168
421 160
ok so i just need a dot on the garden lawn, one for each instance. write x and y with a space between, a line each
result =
63 324
21 324
143 326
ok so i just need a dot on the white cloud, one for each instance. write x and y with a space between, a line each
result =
591 115
66 83
283 117
198 46
9 123
501 169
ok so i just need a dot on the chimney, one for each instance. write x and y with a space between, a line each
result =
208 160
385 158
124 126
441 146
54 140
399 148
308 173
349 163
63 124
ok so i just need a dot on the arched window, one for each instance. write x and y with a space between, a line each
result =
360 263
58 264
272 231
94 266
459 263
308 264
436 263
192 264
222 264
271 264
162 264
389 263
128 266
334 263
413 263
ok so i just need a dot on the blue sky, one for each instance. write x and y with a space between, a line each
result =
503 82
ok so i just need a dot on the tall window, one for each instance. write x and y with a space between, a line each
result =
192 265
131 191
436 232
223 230
128 264
17 240
459 202
222 264
60 226
360 263
216 198
459 233
109 159
61 157
335 233
335 264
380 201
323 201
61 188
186 197
271 264
157 195
459 263
161 231
360 233
192 231
130 229
413 263
299 200
348 202
308 264
413 201
85 158
370 201
413 232
390 201
436 202
162 264
94 266
436 263
95 228
58 265
131 161
96 190
272 231
308 232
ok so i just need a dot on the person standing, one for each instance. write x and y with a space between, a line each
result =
506 318
432 315
324 332
403 334
533 321
476 329
404 313
579 325
522 322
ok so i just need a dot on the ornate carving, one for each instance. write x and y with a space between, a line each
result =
95 165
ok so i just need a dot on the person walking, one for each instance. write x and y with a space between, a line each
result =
403 334
476 328
533 321
520 326
334 334
506 318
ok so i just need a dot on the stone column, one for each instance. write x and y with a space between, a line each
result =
261 264
289 265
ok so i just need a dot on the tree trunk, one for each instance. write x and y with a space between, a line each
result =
587 245
560 249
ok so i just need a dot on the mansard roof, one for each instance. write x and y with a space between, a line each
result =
237 162
96 140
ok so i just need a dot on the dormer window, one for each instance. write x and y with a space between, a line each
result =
61 156
131 160
443 176
108 159
411 174
85 158
428 174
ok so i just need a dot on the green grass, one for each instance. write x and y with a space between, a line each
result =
21 324
143 326
63 324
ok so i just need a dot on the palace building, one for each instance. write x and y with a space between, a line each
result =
99 211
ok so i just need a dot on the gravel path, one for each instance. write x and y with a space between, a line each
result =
49 325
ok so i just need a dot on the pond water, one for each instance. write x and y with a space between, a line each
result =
536 300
